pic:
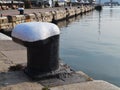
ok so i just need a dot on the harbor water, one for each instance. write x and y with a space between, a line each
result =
92 44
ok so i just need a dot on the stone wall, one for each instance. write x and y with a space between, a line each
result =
10 22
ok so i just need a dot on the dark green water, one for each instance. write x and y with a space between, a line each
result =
92 44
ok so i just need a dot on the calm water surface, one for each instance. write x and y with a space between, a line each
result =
92 44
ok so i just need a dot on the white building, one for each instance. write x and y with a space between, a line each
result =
51 2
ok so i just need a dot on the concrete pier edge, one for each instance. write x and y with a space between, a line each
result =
17 80
7 22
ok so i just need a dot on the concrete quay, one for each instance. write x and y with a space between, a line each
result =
10 18
12 54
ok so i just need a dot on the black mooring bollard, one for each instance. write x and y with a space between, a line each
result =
21 10
42 42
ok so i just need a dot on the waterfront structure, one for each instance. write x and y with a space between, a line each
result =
14 4
10 4
52 3
111 3
9 21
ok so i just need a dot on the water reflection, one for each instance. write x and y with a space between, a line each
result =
99 25
66 22
91 44
70 20
61 24
78 17
111 12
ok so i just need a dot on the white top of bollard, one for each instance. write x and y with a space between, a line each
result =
34 31
20 9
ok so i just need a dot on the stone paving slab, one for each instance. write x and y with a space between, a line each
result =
16 56
23 86
91 85
10 53
9 45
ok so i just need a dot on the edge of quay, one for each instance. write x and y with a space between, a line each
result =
12 54
10 20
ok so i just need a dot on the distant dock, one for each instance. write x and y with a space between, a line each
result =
10 18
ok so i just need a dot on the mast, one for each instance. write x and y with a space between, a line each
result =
99 26
111 2
99 2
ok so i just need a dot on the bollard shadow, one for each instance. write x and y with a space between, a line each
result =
13 77
17 80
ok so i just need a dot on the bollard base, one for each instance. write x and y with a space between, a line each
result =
64 75
62 70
